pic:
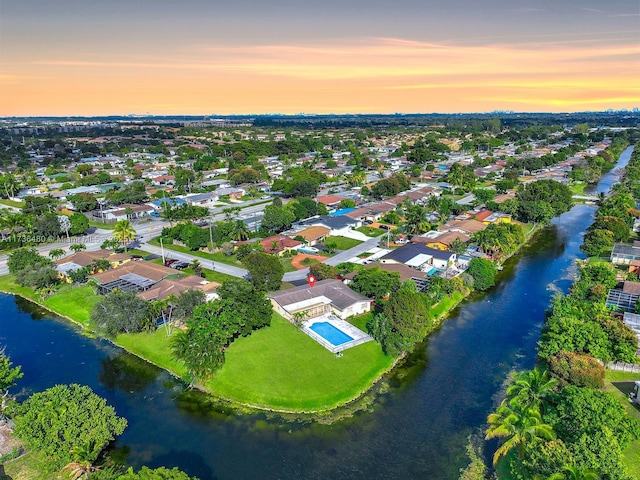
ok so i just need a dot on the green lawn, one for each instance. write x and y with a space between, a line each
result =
446 304
103 226
154 347
11 203
286 264
216 257
307 262
371 231
29 467
577 188
343 243
74 302
282 368
618 384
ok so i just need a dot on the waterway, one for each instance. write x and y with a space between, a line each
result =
417 429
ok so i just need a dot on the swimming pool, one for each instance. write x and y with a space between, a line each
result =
330 333
342 211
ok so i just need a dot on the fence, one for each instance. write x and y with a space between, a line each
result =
624 367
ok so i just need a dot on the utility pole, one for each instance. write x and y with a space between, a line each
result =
162 249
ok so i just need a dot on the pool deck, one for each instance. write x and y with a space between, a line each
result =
359 337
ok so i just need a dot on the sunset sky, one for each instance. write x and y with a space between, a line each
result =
201 57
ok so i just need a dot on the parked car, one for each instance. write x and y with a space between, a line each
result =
179 265
169 261
385 227
368 222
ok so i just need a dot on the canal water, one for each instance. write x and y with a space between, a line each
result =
417 429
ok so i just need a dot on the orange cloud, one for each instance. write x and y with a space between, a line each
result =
366 75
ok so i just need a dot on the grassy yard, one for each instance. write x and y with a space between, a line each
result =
343 243
74 302
11 203
103 226
154 347
216 257
370 231
619 384
446 304
286 264
29 467
578 188
282 368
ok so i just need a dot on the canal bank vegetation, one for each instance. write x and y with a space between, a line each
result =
62 432
568 418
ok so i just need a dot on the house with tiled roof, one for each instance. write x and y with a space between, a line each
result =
326 296
314 234
79 260
175 286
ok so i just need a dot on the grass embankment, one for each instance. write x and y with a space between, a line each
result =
11 203
279 367
73 303
619 384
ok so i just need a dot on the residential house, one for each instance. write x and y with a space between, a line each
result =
276 244
79 260
131 277
176 286
326 296
468 227
206 199
443 241
624 254
113 215
313 235
420 257
338 224
331 201
232 192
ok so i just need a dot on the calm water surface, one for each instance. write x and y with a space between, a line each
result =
418 429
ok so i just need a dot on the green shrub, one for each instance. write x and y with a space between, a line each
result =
577 369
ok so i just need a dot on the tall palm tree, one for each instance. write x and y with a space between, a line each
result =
124 232
531 387
518 426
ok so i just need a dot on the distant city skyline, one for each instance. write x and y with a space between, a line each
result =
163 57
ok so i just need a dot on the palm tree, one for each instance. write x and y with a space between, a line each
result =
78 247
124 232
82 464
240 231
571 472
129 212
531 387
57 253
518 426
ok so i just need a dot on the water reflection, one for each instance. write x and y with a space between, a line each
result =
127 373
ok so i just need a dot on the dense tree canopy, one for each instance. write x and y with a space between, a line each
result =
265 270
120 312
375 282
65 417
